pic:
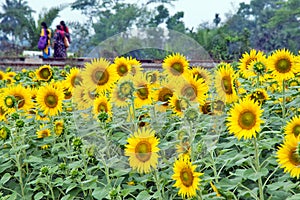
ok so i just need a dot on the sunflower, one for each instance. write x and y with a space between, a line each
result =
187 180
259 95
78 98
206 108
162 95
16 98
224 82
50 99
193 89
99 75
2 75
117 98
244 119
293 127
142 150
59 127
43 132
175 65
245 61
288 156
102 104
179 104
200 72
153 76
143 92
283 65
259 68
2 114
44 73
136 66
122 65
183 148
73 79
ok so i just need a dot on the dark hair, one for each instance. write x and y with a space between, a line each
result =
64 27
44 25
58 27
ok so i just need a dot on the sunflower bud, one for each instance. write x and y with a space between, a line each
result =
4 133
191 114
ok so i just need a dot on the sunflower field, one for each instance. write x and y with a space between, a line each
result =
112 130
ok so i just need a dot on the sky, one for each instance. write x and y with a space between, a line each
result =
195 11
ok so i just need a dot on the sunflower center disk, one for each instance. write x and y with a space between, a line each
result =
247 120
45 73
283 66
186 177
226 85
100 77
295 158
296 130
177 69
143 92
51 101
123 70
76 81
102 108
143 151
190 92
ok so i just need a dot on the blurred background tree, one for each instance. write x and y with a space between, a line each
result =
263 25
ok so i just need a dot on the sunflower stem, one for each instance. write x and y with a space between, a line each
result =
257 165
283 100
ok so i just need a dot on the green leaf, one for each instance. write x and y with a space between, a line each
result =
143 196
5 178
5 166
66 197
38 196
71 187
34 159
252 175
294 197
100 193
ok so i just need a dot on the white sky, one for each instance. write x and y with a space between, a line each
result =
195 11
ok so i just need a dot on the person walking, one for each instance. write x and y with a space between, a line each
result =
58 43
66 30
46 31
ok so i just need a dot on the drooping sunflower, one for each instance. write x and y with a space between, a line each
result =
16 97
224 82
179 104
200 72
293 127
102 104
44 73
247 58
288 156
73 79
142 149
100 75
122 65
49 99
193 89
187 179
244 119
175 65
143 92
283 64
